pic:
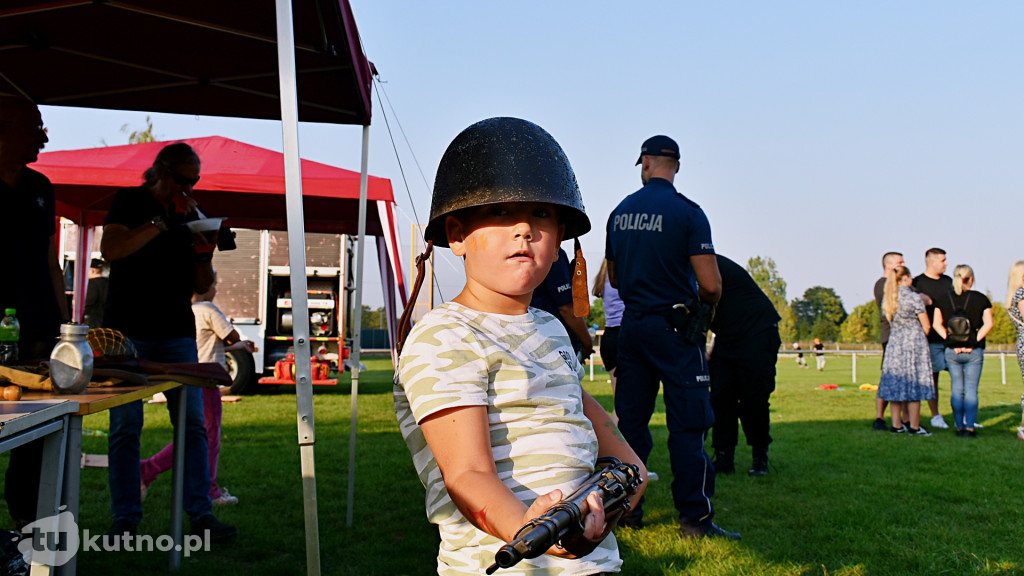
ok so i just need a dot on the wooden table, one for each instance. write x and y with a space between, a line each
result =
26 421
93 401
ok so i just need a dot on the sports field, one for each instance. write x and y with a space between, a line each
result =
841 498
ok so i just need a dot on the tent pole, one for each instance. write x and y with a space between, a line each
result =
297 262
357 328
83 261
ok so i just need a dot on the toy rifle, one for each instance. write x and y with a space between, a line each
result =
613 480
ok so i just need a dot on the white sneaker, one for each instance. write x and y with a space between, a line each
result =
1020 432
225 498
978 425
939 422
653 476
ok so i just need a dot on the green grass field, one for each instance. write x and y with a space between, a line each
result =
841 498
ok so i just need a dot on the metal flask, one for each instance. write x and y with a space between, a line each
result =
71 361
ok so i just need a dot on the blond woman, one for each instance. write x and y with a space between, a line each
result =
964 359
907 364
1015 306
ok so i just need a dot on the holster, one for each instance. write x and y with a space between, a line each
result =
692 319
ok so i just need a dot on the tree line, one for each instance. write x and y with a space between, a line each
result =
819 313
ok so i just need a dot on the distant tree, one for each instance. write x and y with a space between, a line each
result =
1003 330
596 316
787 325
140 136
862 325
819 314
767 277
373 318
874 316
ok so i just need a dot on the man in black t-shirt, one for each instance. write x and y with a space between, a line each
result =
742 365
33 282
889 261
935 284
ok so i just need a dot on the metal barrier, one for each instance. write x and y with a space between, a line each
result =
791 353
853 353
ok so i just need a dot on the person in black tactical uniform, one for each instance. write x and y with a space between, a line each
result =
742 362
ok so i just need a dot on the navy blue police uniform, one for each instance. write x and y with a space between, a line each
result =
556 291
650 237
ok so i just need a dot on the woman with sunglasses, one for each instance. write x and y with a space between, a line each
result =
155 266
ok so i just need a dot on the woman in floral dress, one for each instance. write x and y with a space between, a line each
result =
907 365
1015 306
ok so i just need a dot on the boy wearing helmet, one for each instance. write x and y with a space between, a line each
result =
488 393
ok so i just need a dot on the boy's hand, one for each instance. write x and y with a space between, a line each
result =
595 529
541 505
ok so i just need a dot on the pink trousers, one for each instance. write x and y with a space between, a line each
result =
163 460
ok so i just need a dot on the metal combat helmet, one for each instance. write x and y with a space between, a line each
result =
505 160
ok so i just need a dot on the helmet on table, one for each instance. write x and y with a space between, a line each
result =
505 160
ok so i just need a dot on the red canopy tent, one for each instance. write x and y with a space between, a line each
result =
241 182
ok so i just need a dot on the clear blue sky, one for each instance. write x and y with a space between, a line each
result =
819 134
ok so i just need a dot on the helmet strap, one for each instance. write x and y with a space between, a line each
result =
580 292
404 321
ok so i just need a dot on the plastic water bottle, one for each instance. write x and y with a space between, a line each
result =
10 332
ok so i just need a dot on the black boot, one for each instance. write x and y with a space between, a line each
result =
760 465
724 463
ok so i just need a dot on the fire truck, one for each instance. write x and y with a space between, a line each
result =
254 291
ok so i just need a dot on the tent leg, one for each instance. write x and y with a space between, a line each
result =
357 324
309 507
83 260
297 262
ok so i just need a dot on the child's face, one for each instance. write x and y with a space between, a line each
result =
508 249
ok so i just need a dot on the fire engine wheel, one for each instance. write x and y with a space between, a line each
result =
242 370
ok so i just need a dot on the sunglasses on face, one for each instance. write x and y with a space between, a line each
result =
181 179
29 124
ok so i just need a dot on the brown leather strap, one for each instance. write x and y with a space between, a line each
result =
580 293
404 321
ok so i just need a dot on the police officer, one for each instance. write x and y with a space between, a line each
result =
742 360
660 255
554 296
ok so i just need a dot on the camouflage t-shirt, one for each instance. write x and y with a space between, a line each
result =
524 371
